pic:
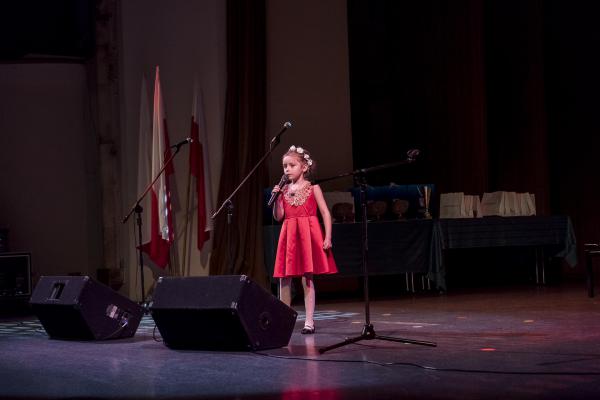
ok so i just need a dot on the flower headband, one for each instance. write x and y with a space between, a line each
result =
304 154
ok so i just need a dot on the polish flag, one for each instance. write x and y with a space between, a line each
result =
199 169
161 226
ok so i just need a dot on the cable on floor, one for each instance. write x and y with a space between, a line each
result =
432 368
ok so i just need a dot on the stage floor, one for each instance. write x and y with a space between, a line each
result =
504 343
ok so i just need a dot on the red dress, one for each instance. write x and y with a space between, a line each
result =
300 249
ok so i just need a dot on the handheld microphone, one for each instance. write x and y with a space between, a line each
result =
185 141
282 182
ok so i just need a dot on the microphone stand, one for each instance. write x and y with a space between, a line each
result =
229 204
368 332
138 209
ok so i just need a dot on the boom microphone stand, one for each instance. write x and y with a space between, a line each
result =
138 209
368 332
229 204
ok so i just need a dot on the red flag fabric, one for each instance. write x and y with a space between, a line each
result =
199 170
161 226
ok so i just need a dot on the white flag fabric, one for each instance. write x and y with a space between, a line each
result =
161 226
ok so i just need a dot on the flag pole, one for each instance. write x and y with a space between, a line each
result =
186 268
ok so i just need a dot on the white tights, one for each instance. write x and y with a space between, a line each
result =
285 295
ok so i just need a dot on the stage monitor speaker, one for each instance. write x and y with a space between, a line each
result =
228 312
78 307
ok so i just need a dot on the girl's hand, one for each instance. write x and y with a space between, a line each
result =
278 211
326 243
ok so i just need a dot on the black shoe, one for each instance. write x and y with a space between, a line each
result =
308 330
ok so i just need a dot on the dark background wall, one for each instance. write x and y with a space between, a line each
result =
62 28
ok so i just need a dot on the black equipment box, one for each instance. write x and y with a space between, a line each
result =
15 275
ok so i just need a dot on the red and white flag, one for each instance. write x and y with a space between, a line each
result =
161 226
199 169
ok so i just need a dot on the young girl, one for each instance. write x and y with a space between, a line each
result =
302 250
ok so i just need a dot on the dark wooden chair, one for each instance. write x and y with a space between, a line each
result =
591 250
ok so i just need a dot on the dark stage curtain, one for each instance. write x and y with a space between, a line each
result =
498 95
417 81
516 118
572 75
244 142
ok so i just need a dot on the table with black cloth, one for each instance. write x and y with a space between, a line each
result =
551 236
394 247
417 246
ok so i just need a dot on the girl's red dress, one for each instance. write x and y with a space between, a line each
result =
300 249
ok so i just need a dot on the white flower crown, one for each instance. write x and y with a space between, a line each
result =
301 151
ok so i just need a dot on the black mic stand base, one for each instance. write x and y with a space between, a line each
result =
368 333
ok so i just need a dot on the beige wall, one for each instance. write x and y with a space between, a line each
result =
49 193
308 83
